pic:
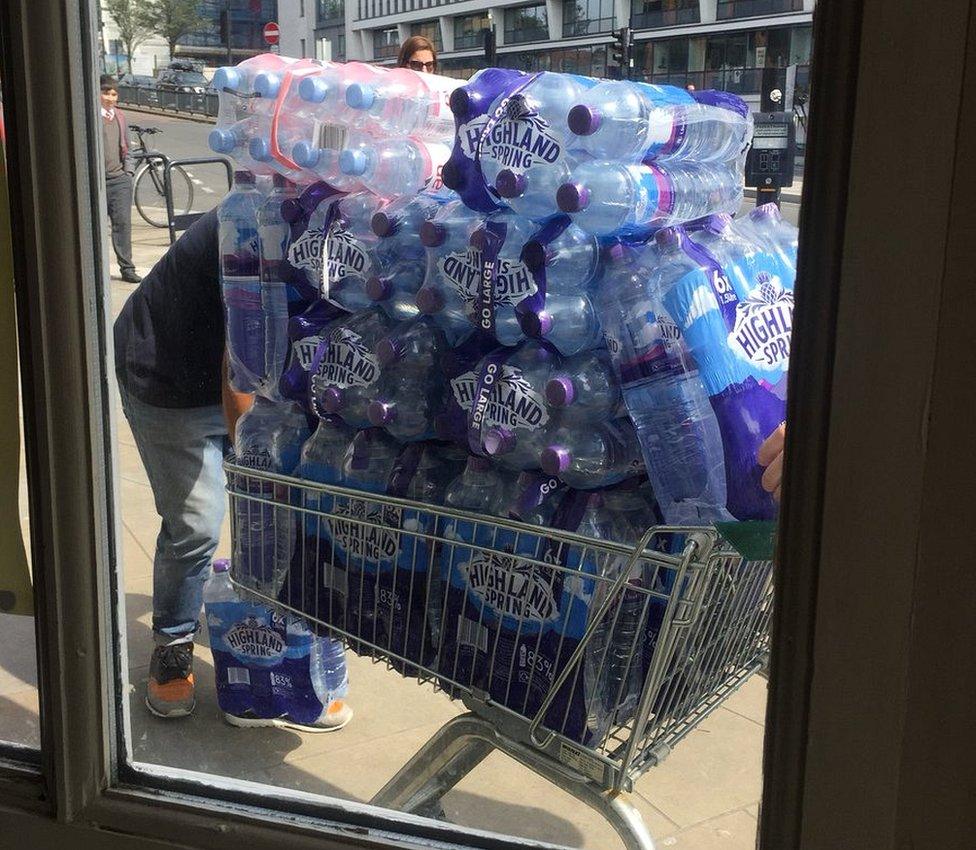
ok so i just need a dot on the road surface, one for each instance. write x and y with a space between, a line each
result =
182 138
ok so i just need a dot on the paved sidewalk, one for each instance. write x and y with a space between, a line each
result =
703 797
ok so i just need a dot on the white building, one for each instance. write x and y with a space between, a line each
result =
296 20
151 54
742 46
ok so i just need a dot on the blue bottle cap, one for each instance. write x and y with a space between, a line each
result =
305 154
313 89
226 77
267 84
360 96
222 141
259 149
352 162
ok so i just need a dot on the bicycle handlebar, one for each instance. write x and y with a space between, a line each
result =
149 131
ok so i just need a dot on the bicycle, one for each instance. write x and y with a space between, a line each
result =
149 190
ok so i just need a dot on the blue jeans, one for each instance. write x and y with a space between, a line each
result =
182 451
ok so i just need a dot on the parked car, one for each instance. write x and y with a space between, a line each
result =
139 81
180 77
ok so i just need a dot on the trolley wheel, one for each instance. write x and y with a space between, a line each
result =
150 198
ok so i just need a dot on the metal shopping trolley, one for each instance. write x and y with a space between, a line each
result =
585 660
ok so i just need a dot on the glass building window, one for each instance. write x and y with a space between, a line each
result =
462 68
526 23
468 30
586 17
329 12
430 30
591 61
753 8
336 36
386 43
650 14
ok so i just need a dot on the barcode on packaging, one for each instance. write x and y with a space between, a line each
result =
472 633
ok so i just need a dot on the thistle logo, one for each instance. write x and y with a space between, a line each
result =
521 139
347 257
763 324
304 351
367 531
511 587
254 641
306 251
347 363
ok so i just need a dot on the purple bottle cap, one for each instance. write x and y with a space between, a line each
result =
477 463
332 400
572 197
383 224
279 181
668 237
380 412
555 460
509 184
535 324
378 288
432 234
388 350
535 255
221 565
429 301
499 441
583 120
244 178
479 239
451 175
291 210
560 391
460 102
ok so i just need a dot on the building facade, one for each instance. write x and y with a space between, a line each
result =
245 21
743 46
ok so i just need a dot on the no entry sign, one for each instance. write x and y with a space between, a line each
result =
271 33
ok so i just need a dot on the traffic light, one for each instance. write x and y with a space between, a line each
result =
621 51
490 52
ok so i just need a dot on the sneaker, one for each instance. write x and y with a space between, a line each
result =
171 687
131 276
337 715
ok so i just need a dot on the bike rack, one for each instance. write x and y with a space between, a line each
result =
182 222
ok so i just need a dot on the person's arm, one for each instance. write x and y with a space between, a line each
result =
235 404
770 455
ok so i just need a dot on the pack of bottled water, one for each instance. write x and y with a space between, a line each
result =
522 297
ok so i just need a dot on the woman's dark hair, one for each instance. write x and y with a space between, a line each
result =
412 45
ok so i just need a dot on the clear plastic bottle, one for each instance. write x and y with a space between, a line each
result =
570 261
351 258
392 167
607 197
634 121
395 289
593 457
405 103
273 238
569 322
240 278
765 227
585 388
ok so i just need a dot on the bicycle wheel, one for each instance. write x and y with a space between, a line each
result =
149 194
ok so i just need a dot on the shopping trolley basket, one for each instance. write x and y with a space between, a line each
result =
585 660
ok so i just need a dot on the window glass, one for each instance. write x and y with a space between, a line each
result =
526 23
663 13
585 17
386 43
469 29
753 8
430 30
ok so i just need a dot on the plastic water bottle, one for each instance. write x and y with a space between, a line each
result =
345 367
240 278
634 121
525 155
321 462
395 289
273 237
607 197
268 439
585 388
510 419
765 226
330 677
397 223
569 322
479 488
570 261
453 268
351 252
412 388
369 459
390 167
405 103
305 334
662 387
594 457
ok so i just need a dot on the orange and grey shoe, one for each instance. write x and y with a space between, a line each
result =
171 688
337 715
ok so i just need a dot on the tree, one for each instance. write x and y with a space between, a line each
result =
134 26
173 19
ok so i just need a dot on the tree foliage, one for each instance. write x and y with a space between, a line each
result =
133 22
173 19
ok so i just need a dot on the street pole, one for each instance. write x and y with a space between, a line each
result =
230 57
